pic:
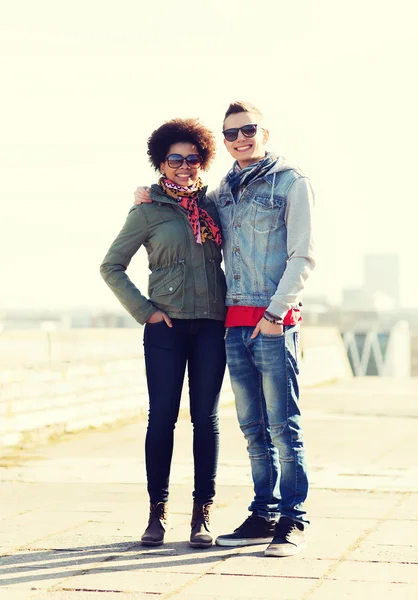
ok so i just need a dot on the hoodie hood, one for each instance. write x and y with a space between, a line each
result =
278 165
283 165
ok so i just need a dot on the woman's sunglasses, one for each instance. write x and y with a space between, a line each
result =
248 131
175 161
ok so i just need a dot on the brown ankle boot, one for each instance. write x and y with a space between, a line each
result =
157 525
200 536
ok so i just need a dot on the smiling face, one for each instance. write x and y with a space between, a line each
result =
183 175
246 151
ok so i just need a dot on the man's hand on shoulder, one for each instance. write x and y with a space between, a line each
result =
142 196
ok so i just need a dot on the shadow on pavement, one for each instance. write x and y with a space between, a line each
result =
31 566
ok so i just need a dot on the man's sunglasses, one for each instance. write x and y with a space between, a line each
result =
248 131
175 161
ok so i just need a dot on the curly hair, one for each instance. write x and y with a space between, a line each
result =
181 130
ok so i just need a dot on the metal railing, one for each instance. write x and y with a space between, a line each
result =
373 353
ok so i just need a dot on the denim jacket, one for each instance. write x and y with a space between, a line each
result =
268 245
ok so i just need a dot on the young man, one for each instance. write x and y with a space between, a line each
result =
265 206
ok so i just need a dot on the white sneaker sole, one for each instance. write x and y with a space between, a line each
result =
285 549
242 542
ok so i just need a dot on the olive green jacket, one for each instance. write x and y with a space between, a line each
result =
186 279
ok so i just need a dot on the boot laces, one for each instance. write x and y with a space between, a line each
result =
158 511
205 513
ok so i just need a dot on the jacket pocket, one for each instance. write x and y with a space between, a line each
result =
266 213
169 286
166 288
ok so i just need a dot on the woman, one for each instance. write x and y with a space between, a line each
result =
183 315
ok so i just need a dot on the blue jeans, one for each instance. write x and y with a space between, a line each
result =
199 343
264 378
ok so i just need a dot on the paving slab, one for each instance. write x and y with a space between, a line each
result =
408 509
251 561
7 593
376 571
358 590
398 531
128 579
386 553
355 504
216 587
330 538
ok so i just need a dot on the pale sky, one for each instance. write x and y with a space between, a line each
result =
85 82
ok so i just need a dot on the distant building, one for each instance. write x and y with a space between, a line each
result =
314 307
354 299
380 291
382 280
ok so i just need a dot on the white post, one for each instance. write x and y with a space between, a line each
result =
398 355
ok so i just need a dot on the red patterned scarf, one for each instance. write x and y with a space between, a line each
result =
204 227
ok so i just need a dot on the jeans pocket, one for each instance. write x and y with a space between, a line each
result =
292 350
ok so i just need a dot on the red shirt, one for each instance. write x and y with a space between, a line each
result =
237 316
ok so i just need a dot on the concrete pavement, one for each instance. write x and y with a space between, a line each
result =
73 510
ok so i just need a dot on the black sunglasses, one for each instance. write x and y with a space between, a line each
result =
248 131
175 161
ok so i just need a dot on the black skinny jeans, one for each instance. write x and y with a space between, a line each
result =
200 344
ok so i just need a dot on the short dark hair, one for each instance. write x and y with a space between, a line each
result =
239 106
181 130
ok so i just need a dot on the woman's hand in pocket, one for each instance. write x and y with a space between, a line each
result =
159 316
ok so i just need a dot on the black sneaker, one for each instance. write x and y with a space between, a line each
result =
289 538
254 530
